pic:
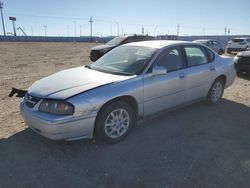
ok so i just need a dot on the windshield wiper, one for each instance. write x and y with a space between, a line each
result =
121 73
87 66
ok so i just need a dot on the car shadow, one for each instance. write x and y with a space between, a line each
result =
196 146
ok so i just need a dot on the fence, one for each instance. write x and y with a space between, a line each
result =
222 38
53 39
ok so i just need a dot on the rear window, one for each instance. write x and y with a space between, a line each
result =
238 40
195 55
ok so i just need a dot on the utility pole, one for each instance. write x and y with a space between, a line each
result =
80 30
31 31
142 30
155 30
225 30
67 30
1 7
118 29
75 27
45 30
111 29
178 29
91 21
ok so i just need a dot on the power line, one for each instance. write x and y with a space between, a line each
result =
48 17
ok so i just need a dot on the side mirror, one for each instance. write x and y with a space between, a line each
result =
159 70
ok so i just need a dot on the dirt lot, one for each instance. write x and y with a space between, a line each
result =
197 146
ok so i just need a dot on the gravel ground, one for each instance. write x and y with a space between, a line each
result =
197 146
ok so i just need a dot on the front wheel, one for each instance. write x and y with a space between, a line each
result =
216 91
115 121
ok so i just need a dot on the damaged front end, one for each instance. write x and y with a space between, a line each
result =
17 92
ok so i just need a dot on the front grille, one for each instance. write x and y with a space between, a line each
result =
31 101
238 40
94 53
244 60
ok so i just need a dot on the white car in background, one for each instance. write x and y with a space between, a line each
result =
238 44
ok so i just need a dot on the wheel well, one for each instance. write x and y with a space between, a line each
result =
128 99
224 78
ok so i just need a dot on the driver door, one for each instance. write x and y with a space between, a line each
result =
168 90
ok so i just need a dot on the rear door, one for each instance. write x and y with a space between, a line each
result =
164 91
200 71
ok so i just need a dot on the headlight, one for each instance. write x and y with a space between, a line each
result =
236 58
56 107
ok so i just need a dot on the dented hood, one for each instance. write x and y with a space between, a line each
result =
67 83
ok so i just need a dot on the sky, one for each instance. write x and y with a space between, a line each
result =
113 17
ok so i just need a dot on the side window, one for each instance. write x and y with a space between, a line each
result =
128 40
171 59
196 56
138 39
248 40
210 55
209 43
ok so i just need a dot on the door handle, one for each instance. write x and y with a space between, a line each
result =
212 68
181 76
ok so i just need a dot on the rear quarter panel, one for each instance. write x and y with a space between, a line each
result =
225 66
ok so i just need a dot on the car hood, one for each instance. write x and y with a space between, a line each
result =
67 83
244 54
100 47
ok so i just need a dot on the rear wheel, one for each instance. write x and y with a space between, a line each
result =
216 91
115 121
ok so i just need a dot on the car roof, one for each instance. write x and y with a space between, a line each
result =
202 40
157 43
241 38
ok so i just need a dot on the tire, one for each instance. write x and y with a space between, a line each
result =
115 121
216 92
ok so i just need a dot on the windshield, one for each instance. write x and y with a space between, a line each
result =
116 41
201 41
238 40
124 60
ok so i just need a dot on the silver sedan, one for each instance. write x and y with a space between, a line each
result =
132 81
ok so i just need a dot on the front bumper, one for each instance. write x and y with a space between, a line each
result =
242 67
58 127
235 49
242 64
